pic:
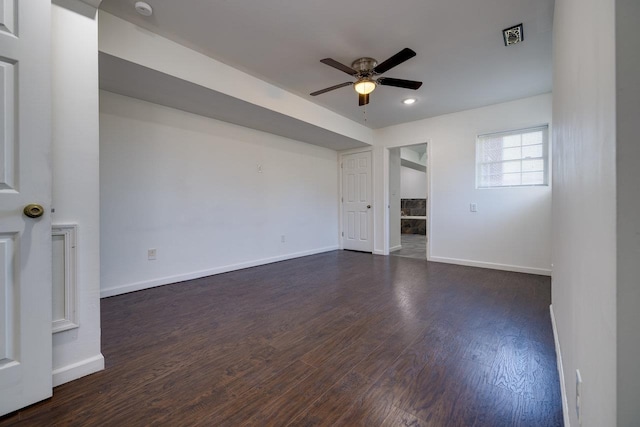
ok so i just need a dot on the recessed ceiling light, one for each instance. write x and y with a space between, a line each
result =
409 101
143 8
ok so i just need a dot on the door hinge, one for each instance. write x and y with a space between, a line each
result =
343 234
342 199
341 165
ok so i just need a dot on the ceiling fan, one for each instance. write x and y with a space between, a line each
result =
365 69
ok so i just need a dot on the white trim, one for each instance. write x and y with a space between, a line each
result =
494 266
145 284
395 248
378 252
70 320
374 203
78 370
563 387
386 198
429 198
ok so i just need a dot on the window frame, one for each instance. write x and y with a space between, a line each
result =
545 157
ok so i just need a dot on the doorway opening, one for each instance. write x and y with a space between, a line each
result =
408 197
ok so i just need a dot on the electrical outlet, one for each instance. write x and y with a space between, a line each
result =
282 239
473 207
578 395
151 254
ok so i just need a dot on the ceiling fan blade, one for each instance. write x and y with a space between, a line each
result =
406 84
321 91
335 64
363 99
394 61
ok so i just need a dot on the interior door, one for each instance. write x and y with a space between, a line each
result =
25 179
356 202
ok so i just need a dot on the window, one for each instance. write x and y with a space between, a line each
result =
513 159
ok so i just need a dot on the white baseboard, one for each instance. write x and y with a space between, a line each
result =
395 248
378 252
494 266
146 284
78 370
563 388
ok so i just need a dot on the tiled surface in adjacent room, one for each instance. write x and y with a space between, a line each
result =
413 246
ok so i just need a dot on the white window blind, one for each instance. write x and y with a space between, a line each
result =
513 159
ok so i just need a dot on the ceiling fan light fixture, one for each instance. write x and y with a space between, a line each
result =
364 86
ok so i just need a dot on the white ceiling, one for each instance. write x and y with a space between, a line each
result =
461 57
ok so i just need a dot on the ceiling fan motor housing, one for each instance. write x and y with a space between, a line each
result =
364 66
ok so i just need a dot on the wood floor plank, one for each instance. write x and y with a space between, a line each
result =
519 368
297 400
254 400
331 405
334 402
335 339
399 418
368 409
375 404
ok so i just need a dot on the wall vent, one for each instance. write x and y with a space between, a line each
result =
512 35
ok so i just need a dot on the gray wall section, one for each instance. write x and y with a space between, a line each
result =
584 205
628 210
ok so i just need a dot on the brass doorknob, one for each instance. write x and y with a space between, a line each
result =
33 210
368 206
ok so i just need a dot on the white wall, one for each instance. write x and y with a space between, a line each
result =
189 187
628 210
584 204
75 147
512 228
395 193
414 183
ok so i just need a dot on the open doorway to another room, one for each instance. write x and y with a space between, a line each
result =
408 201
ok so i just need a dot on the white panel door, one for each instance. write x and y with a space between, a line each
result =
356 202
25 178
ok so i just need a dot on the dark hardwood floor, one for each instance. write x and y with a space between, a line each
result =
336 339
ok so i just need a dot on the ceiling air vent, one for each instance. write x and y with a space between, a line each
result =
512 35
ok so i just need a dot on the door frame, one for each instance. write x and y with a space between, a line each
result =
340 195
385 175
